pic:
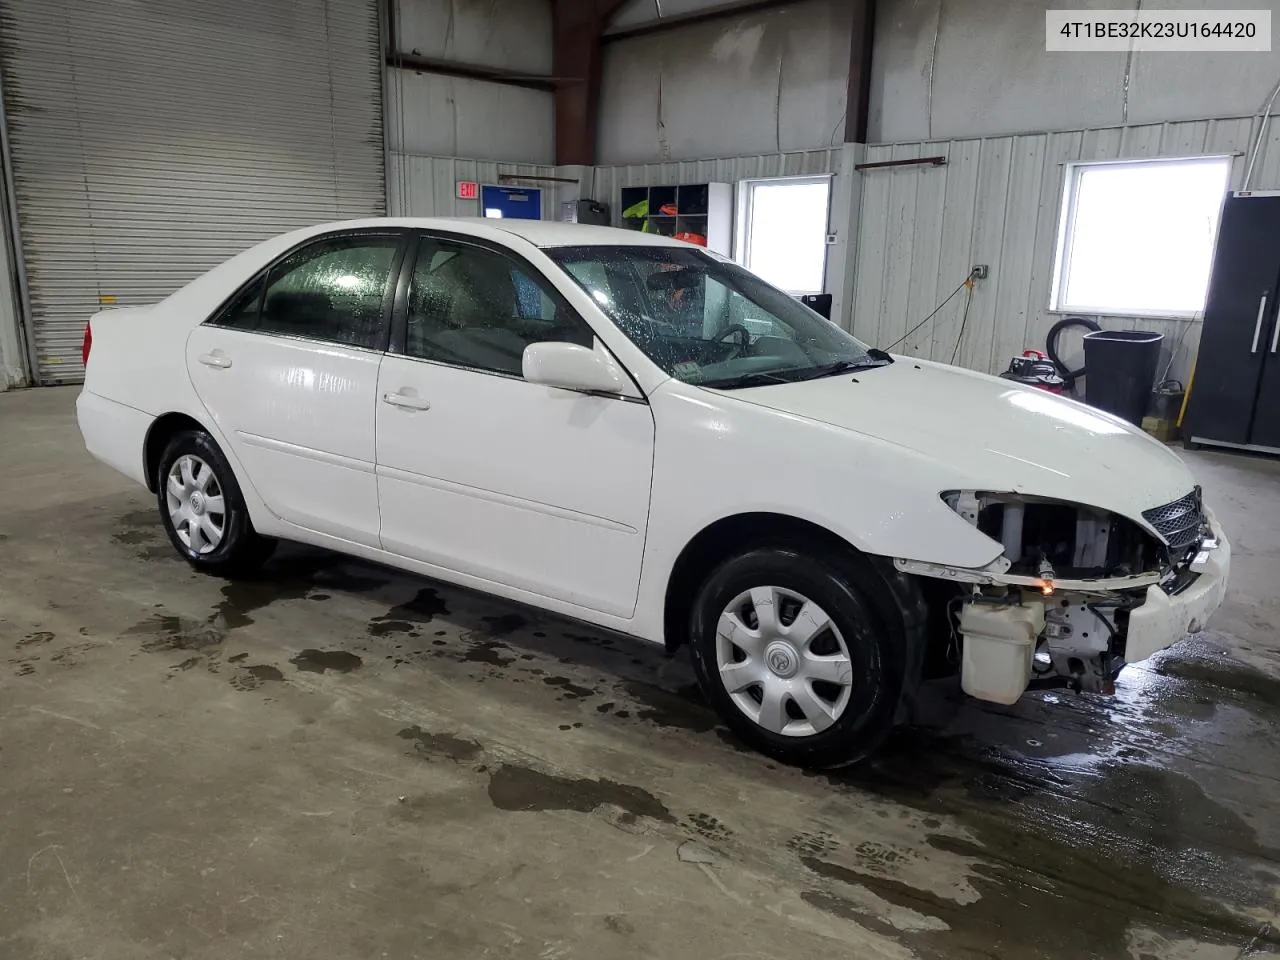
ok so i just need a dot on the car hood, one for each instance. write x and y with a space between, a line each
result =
992 434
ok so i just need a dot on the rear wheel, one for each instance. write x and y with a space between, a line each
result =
788 649
202 508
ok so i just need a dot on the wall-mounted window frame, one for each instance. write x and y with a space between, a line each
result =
1191 236
745 246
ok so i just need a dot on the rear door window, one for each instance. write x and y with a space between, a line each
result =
335 290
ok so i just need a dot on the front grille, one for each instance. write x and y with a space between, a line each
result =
1179 522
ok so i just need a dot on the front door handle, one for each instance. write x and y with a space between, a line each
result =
404 400
216 359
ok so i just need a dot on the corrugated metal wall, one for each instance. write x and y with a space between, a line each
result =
13 353
977 68
635 13
609 181
433 115
427 186
153 141
12 364
439 116
433 119
996 202
761 80
515 34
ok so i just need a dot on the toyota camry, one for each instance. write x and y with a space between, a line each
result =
633 432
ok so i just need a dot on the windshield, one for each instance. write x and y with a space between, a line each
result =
710 322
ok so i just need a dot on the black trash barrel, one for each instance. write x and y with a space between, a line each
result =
1120 369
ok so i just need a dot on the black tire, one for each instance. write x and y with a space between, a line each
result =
1051 345
241 549
842 590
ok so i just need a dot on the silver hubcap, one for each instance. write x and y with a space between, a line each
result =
783 662
196 507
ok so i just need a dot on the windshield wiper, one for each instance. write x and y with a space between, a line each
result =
760 378
877 358
757 379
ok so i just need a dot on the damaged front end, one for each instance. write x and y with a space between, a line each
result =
1077 592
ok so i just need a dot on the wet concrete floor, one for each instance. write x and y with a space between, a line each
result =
338 760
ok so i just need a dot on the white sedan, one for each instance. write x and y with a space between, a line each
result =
623 429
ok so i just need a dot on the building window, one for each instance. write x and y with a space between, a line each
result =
782 233
1136 238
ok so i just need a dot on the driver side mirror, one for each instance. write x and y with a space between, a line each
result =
572 367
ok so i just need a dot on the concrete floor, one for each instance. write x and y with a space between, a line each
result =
341 761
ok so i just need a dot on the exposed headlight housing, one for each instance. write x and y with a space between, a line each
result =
1045 538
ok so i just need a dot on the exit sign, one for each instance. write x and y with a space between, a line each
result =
468 190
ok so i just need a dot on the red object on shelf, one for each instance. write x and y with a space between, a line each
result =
688 237
668 210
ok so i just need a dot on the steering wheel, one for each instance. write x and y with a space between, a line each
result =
744 338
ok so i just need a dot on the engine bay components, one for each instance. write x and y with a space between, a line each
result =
1079 645
1029 639
1076 592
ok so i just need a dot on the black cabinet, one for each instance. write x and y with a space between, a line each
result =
1235 399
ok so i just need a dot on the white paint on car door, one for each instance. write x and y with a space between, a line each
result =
479 471
541 489
289 372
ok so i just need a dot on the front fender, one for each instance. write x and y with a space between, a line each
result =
715 458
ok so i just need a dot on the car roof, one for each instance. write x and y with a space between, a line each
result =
541 233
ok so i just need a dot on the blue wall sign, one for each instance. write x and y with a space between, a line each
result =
514 203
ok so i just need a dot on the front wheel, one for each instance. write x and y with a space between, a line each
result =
202 509
788 649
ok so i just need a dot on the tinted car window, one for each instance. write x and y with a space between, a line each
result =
333 290
242 312
473 307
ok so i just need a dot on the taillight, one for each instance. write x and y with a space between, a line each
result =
88 344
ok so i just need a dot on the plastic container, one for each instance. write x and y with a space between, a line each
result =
1120 369
1167 399
999 644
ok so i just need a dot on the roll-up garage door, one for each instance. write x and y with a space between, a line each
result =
152 139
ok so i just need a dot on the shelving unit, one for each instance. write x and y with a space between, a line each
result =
700 209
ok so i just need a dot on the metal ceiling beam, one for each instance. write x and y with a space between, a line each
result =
449 68
472 71
577 26
861 44
688 19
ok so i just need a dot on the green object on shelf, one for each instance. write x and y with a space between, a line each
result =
639 211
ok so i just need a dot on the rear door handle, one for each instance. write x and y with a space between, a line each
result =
404 400
217 359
